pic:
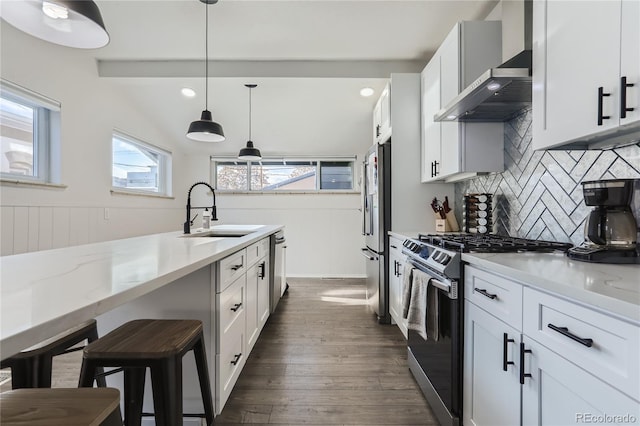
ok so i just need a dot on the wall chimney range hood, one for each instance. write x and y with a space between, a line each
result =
500 93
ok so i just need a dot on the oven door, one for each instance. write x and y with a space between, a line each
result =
437 364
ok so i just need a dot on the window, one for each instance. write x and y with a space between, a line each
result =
140 167
29 133
284 174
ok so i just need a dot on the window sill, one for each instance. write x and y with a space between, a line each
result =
345 192
31 183
115 191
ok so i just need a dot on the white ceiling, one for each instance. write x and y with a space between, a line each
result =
302 53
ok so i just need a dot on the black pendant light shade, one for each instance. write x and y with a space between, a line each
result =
72 23
205 129
249 152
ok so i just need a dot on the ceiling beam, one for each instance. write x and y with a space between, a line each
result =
289 69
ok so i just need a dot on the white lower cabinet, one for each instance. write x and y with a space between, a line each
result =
491 367
558 392
396 280
242 308
565 364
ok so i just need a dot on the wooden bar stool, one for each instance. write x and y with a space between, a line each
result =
32 367
158 345
55 407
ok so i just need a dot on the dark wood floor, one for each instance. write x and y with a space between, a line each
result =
322 359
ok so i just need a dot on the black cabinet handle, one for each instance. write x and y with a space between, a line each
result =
623 97
236 267
262 268
523 375
485 293
565 332
392 246
436 172
236 358
236 307
601 96
505 347
377 130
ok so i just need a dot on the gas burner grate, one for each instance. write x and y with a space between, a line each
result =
490 243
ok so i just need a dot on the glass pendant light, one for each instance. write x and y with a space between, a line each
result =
205 129
249 152
71 23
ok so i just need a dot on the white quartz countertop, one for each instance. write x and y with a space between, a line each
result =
47 292
614 289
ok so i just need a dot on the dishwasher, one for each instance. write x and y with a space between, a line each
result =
279 282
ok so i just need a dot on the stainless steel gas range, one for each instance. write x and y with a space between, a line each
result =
437 363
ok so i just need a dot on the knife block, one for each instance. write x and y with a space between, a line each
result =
442 225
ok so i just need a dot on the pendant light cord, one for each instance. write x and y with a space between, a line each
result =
206 56
249 113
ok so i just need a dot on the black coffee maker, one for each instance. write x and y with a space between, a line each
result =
611 230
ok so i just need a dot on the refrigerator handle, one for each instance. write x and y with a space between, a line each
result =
363 190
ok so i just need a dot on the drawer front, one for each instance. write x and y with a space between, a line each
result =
612 353
257 251
499 296
231 304
229 363
395 246
230 268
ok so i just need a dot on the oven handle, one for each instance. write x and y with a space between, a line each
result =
449 286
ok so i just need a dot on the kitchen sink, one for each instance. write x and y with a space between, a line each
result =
223 231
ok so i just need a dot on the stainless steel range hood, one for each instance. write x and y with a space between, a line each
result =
500 93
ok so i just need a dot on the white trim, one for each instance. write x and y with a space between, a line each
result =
4 181
29 95
124 191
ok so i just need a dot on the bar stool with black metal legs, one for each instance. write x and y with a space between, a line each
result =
158 345
32 367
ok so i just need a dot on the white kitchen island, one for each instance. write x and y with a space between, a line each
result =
155 276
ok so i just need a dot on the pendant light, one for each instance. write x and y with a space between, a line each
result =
205 129
249 153
71 23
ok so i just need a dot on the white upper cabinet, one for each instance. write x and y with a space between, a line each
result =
582 54
452 150
382 116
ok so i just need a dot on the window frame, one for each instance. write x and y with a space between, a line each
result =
215 159
165 166
46 134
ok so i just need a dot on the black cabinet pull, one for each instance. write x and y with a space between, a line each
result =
235 307
601 96
623 97
377 130
236 267
392 246
435 168
262 268
565 332
236 358
485 293
523 375
505 347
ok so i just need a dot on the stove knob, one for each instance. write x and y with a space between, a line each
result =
416 248
445 259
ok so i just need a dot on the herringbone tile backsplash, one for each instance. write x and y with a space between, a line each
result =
539 194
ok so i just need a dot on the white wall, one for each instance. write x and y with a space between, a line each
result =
323 231
35 218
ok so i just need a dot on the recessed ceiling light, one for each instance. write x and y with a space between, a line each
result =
493 86
366 92
188 92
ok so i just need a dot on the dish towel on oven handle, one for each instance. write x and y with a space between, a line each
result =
407 277
422 313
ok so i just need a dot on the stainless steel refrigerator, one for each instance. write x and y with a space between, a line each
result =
376 222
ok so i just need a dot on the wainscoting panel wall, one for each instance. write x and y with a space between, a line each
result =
33 228
539 194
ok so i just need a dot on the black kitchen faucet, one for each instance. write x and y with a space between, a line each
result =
187 224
